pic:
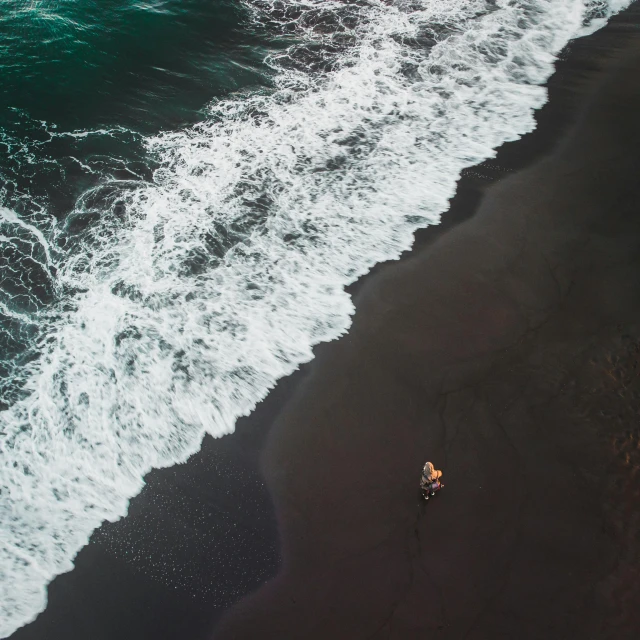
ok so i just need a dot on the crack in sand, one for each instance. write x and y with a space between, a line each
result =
506 572
410 558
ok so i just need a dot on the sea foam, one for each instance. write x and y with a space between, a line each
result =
196 292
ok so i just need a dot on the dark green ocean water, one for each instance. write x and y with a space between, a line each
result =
121 65
83 64
81 83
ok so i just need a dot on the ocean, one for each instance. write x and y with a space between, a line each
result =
186 188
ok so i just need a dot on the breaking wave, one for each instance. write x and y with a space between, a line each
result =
185 298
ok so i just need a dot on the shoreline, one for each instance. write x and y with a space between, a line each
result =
153 607
505 351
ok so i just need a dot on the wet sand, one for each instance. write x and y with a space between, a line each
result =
505 351
502 348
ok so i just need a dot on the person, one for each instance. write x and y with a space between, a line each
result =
430 481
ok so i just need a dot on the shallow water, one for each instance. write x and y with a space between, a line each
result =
187 187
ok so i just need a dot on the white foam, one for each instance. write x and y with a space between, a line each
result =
315 183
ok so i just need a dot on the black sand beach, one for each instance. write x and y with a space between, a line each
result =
504 348
507 353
